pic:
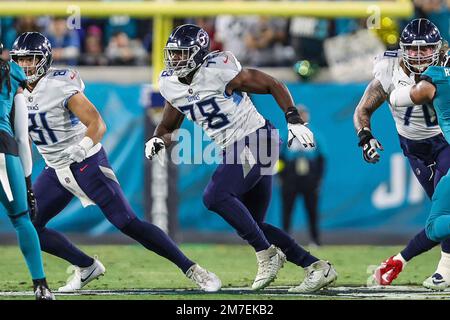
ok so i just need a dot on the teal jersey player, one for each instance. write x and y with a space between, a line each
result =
434 88
15 170
440 78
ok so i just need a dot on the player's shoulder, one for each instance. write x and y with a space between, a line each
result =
167 79
387 59
435 72
63 74
66 78
221 60
436 75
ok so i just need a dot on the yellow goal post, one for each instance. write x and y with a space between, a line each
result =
163 12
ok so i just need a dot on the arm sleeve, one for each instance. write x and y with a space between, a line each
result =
21 132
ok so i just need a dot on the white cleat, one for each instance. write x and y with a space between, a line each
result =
270 261
436 282
206 280
82 276
318 275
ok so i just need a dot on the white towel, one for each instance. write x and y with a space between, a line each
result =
4 178
68 181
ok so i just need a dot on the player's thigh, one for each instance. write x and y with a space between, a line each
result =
13 190
99 182
442 163
51 197
257 199
423 174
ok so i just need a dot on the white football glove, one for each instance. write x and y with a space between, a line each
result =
75 153
302 133
155 147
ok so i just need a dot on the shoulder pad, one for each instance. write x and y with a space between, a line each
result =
222 60
69 79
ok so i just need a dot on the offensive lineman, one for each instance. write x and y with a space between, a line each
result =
420 137
66 128
210 88
434 88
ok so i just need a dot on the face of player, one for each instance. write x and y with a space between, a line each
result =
420 57
28 64
178 58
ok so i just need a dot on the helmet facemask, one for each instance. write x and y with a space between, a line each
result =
419 55
180 60
34 71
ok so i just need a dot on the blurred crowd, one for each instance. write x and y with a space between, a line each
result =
255 40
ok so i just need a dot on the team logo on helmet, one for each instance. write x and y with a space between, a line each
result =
202 38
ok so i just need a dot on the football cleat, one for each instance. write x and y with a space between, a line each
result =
270 261
318 275
42 292
388 271
436 282
207 281
82 276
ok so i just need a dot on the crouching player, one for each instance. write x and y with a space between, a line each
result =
210 88
434 88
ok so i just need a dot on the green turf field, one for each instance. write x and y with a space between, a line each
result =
132 267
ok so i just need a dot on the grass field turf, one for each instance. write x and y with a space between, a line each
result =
132 267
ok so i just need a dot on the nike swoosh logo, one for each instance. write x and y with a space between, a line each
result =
83 280
82 169
328 272
438 282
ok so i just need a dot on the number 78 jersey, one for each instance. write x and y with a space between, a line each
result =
416 122
52 126
225 119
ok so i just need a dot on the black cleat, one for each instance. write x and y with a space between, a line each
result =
41 290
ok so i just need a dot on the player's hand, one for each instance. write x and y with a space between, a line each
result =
75 153
297 129
155 147
370 145
31 199
302 133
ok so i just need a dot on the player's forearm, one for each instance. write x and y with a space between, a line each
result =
373 98
407 96
282 96
164 133
95 130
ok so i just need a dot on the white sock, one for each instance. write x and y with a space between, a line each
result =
400 257
444 266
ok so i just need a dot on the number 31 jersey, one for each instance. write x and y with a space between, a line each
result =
225 119
416 122
52 126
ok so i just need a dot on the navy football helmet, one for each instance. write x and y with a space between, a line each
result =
37 46
186 49
420 42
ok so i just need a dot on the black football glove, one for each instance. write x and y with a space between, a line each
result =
31 199
369 145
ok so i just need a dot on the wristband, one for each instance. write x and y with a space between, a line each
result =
86 143
293 117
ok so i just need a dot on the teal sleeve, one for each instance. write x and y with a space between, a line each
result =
433 74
